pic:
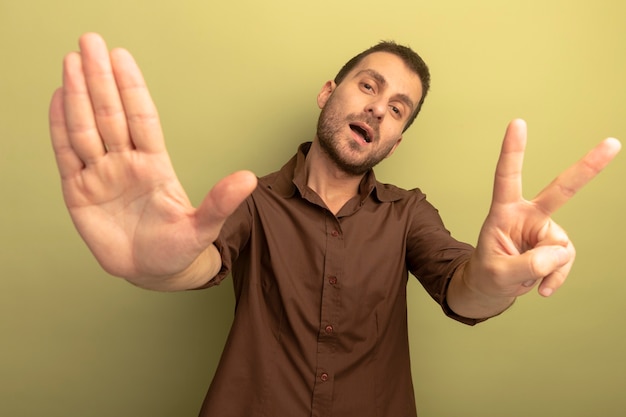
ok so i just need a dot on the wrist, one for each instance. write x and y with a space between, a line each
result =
466 297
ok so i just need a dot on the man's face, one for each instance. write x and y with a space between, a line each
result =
363 117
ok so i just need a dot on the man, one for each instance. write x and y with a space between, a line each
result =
319 251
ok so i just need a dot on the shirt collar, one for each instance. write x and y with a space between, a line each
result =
292 178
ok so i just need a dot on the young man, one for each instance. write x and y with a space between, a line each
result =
319 251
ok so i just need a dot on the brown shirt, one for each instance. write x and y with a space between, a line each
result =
320 326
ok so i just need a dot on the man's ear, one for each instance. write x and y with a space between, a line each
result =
325 93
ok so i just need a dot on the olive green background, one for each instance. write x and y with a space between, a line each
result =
235 83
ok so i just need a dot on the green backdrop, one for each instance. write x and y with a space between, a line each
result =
235 83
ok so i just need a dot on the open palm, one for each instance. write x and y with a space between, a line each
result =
118 182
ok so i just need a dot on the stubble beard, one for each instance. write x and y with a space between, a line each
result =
329 127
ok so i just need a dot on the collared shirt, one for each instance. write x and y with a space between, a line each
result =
320 326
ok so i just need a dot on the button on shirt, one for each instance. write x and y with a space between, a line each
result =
320 326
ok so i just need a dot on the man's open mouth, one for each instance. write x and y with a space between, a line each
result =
361 132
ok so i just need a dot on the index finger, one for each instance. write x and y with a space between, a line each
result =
570 181
141 113
507 187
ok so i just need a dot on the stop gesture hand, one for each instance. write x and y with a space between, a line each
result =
118 182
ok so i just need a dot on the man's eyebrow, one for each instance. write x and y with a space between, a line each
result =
375 75
382 81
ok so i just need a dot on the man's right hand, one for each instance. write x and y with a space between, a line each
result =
118 181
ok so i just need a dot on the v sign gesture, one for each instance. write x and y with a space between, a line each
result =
519 244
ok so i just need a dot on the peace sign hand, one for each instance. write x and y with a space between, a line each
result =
519 244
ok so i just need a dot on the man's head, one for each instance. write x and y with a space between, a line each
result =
365 113
410 58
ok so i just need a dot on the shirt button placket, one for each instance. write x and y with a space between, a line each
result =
329 318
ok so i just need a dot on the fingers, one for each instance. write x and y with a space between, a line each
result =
508 178
548 254
106 104
550 261
508 182
103 92
570 181
141 114
553 265
547 265
80 123
67 160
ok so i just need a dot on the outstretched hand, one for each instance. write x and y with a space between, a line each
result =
118 182
519 244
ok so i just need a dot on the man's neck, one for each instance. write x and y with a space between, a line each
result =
334 186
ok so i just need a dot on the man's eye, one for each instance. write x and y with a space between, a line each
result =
367 86
395 110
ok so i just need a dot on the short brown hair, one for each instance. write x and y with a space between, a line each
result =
410 58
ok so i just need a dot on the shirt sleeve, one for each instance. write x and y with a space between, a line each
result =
232 240
433 255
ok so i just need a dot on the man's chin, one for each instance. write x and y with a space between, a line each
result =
354 168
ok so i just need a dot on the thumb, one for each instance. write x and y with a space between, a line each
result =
223 200
542 261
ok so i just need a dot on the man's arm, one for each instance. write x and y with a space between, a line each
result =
519 245
118 181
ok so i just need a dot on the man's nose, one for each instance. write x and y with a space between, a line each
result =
377 108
